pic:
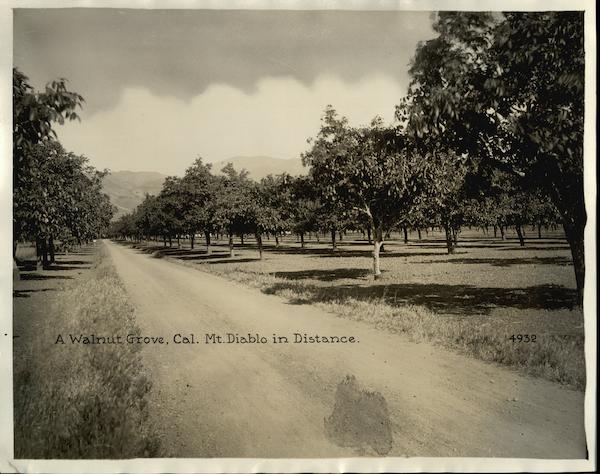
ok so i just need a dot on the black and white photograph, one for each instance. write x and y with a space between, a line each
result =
299 232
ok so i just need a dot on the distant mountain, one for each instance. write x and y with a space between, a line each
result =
127 189
260 166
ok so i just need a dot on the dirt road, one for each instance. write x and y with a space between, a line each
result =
309 400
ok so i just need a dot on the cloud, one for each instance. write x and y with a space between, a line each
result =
160 133
181 53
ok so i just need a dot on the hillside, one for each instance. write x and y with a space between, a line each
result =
261 166
127 189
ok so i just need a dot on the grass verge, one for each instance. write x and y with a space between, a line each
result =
77 401
558 358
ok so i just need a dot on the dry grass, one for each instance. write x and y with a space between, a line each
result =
81 401
472 301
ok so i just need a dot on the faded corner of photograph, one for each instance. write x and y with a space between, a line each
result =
298 234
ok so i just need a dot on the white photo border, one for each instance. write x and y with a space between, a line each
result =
389 464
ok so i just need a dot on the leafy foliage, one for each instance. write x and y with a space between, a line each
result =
507 91
56 194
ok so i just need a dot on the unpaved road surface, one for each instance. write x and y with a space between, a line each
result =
310 400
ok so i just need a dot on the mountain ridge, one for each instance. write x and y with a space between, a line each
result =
126 189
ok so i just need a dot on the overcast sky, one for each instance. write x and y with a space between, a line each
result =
163 87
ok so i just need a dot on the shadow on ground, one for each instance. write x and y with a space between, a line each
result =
506 262
61 267
26 293
159 251
445 299
324 275
37 276
526 247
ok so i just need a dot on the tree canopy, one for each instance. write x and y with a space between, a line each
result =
56 194
507 91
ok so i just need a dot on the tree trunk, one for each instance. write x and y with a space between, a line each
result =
449 240
164 241
539 228
44 254
502 234
242 239
178 242
455 236
231 252
333 244
51 249
378 242
318 237
405 231
207 237
519 230
170 241
260 245
575 234
192 240
276 240
302 239
495 231
38 253
419 233
369 236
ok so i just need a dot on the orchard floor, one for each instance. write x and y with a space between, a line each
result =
473 301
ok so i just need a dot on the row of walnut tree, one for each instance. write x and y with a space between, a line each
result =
489 132
57 195
232 204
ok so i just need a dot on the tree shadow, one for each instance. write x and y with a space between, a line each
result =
143 248
177 252
506 262
208 256
31 265
324 275
232 260
529 247
27 265
26 293
73 262
341 252
446 299
187 254
60 267
443 246
467 243
37 276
